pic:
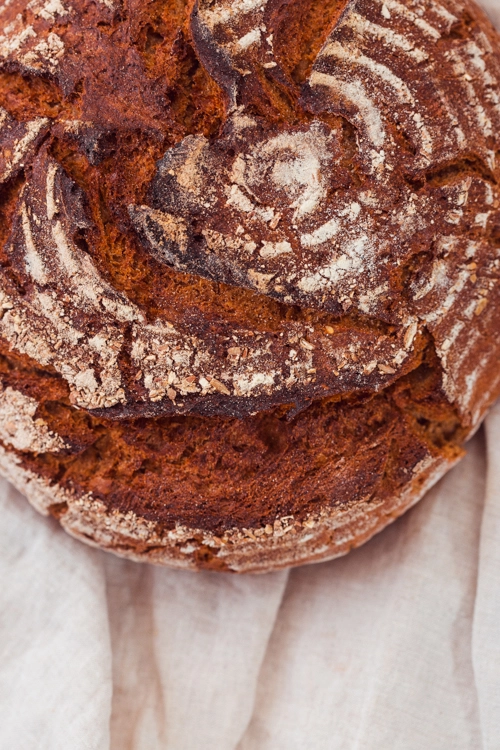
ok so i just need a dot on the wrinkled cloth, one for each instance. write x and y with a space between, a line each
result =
396 645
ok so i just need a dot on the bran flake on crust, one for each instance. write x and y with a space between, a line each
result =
19 428
49 10
22 44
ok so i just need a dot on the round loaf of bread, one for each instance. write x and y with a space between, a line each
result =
249 271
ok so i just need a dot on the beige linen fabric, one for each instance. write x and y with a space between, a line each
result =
396 646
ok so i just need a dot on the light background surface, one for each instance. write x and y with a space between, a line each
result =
395 647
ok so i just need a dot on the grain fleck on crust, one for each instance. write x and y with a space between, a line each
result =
248 289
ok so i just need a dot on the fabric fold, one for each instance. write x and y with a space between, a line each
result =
486 633
187 654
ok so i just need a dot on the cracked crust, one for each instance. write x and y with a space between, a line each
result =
249 290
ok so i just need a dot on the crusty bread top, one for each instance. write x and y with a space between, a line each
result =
357 189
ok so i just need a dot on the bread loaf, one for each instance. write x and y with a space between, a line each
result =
249 267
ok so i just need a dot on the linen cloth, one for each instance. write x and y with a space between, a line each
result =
396 646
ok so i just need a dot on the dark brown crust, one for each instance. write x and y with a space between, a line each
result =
246 285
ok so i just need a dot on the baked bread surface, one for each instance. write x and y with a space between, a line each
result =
250 258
